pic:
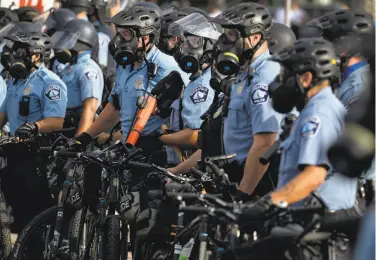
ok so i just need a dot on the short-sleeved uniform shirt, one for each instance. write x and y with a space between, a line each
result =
132 83
250 111
197 98
84 80
318 126
355 79
47 95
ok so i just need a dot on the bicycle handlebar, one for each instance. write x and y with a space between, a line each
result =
265 158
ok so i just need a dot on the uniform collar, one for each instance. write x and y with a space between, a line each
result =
151 53
353 68
257 62
84 56
40 68
323 92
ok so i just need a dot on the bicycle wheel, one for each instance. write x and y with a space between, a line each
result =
113 238
5 239
32 241
76 236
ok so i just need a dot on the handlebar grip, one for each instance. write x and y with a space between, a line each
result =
332 222
140 165
194 209
265 158
67 154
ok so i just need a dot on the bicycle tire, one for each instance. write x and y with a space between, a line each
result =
28 232
75 232
5 233
113 238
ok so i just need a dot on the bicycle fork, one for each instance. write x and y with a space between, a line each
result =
203 236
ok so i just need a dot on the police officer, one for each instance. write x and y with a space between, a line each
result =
97 16
170 44
140 66
210 135
251 125
36 98
83 77
56 21
341 27
304 164
199 35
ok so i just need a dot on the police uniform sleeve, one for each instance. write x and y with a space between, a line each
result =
263 117
54 99
316 134
3 95
91 84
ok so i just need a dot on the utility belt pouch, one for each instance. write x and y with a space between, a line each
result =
24 104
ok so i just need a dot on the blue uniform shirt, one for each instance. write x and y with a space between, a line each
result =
47 96
84 80
130 84
356 78
197 98
250 111
58 67
319 124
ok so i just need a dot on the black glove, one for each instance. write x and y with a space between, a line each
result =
80 142
244 197
257 211
27 130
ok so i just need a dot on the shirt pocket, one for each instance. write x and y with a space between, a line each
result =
237 113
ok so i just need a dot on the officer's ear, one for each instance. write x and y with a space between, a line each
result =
146 40
305 79
252 41
36 57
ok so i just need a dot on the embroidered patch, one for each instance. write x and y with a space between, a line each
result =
199 95
53 93
91 75
259 94
310 127
27 90
139 82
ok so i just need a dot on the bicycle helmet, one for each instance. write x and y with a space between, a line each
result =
151 5
191 10
58 19
27 13
248 18
87 33
7 16
281 36
144 20
315 55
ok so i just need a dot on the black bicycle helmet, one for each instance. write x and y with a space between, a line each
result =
315 55
27 13
37 42
58 19
191 10
7 16
87 33
76 3
168 19
248 18
144 20
281 36
151 5
343 22
24 27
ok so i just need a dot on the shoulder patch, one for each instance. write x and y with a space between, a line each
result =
53 93
91 75
199 95
259 94
310 127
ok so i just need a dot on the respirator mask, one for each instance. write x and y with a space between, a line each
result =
124 47
18 61
286 92
192 51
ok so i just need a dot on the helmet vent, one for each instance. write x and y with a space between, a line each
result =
260 8
340 12
248 16
244 8
321 52
144 17
342 21
300 49
324 62
265 16
362 25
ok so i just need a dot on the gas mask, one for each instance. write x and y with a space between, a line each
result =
165 47
192 51
18 62
231 53
124 47
66 56
286 92
220 82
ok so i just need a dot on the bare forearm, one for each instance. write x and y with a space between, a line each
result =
106 120
48 125
301 186
87 117
253 170
186 138
189 163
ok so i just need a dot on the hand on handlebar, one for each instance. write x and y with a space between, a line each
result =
27 130
79 143
258 210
